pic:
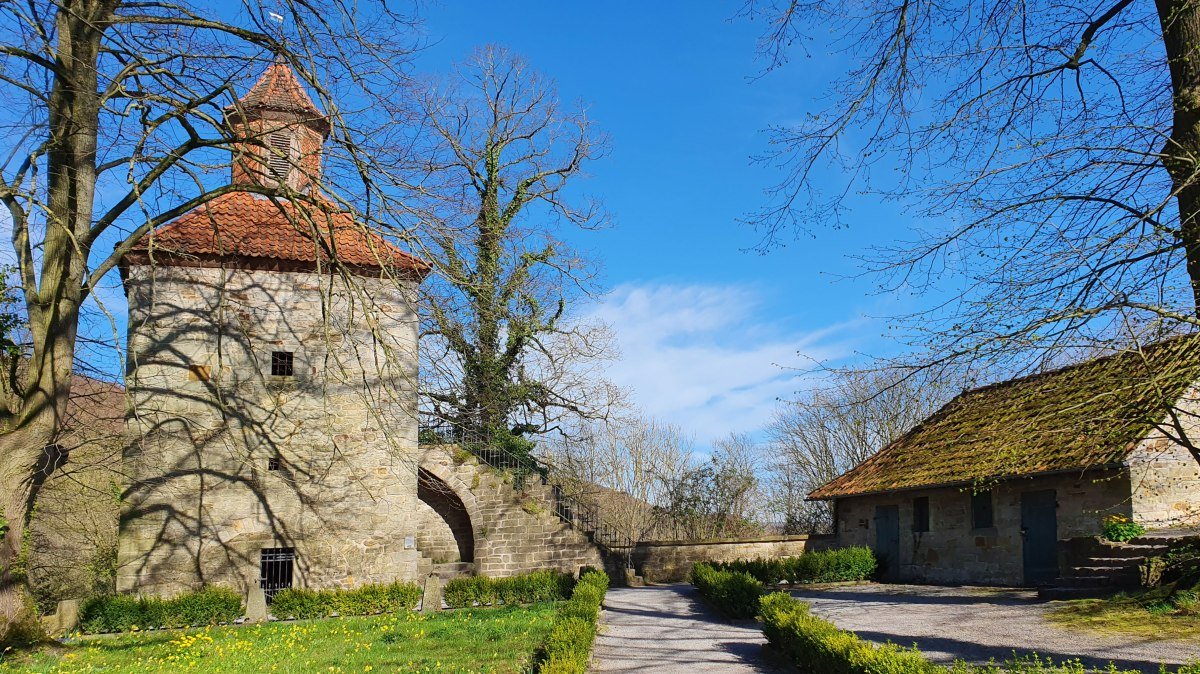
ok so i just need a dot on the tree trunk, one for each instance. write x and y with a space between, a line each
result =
53 299
1180 20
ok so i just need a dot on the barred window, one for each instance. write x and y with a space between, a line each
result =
282 363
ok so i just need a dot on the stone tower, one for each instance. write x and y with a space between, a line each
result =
271 377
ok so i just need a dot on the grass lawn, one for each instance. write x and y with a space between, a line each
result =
496 640
1151 615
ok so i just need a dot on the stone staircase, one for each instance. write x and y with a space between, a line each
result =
449 570
1094 567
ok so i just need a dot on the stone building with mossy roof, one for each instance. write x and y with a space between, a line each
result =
982 490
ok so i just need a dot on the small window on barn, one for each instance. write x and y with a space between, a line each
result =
981 510
921 514
282 363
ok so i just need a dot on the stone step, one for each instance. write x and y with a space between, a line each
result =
449 570
1113 562
1061 592
1116 573
1131 551
1096 580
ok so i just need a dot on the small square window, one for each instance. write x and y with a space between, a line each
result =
273 463
981 510
282 363
199 372
921 514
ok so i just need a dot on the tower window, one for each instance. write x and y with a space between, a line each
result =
273 463
281 154
282 363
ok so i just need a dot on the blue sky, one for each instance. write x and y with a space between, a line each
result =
706 328
711 333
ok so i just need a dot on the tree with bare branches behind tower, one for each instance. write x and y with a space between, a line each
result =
505 355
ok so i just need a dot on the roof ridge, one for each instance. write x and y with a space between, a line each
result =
953 446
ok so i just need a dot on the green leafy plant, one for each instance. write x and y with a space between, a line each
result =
125 613
371 599
733 593
467 591
1119 529
569 646
824 566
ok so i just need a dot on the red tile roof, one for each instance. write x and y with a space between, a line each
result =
1088 415
246 227
278 89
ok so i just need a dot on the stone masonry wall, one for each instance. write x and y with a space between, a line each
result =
671 561
226 459
952 552
515 528
1165 477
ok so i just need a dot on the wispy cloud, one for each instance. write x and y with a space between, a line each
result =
705 357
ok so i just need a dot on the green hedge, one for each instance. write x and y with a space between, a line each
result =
527 588
825 566
569 646
124 613
300 603
733 593
816 646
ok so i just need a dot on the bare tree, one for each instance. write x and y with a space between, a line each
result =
1051 146
625 469
115 118
720 497
506 357
838 425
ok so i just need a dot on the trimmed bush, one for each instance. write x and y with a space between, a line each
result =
301 603
528 588
733 593
569 646
124 613
824 566
816 646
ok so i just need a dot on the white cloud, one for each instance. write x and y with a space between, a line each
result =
703 356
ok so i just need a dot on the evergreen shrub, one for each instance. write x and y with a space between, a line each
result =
124 613
301 603
569 647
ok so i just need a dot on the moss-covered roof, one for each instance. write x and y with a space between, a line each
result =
1087 415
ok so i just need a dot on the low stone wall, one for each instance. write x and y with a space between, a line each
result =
671 561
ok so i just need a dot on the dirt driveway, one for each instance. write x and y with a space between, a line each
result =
978 624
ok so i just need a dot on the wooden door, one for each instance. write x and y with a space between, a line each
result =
887 541
1039 534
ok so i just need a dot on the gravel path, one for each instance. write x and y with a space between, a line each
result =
977 624
667 629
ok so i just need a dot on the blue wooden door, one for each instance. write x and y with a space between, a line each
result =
1039 533
887 541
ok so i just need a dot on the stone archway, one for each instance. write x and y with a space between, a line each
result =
445 534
